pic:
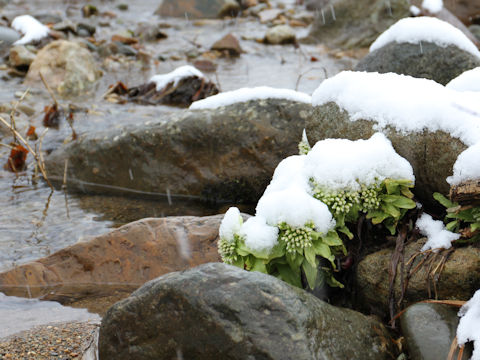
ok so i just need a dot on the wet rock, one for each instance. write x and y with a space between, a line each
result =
217 311
425 60
431 154
150 32
350 24
186 91
255 10
475 30
280 34
458 280
48 18
197 9
269 15
116 48
67 66
220 154
205 65
8 36
21 57
118 262
228 43
429 330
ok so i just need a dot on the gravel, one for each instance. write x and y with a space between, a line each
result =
63 341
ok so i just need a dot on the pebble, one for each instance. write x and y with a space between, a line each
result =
66 341
280 34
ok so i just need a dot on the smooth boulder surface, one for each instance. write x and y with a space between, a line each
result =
458 280
217 311
425 60
198 9
67 66
431 154
227 153
429 330
118 262
351 24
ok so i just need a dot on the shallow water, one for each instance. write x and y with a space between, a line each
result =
19 314
35 222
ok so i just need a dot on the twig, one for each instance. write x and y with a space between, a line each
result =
48 89
306 72
38 159
64 187
14 110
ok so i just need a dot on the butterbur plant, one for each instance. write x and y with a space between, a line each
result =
464 220
296 232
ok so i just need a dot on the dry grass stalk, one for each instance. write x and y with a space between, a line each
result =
37 156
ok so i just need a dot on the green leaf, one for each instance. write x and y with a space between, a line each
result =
287 275
406 192
310 255
259 265
324 251
452 225
332 238
377 216
239 263
443 200
391 210
391 226
391 185
475 226
346 231
310 273
331 281
294 260
404 203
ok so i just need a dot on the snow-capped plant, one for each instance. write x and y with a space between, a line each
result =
311 199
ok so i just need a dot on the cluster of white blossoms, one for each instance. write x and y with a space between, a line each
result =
296 238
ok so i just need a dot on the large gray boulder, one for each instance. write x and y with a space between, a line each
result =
228 153
457 280
426 60
218 311
431 154
351 24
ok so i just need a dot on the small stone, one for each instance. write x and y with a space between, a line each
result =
20 56
122 7
228 43
268 15
280 34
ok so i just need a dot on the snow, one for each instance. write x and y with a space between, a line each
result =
31 28
247 94
231 224
433 6
434 230
289 172
175 76
408 104
365 161
258 235
468 328
467 81
414 30
415 11
467 166
295 207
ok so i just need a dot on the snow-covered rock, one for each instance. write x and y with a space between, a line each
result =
31 28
